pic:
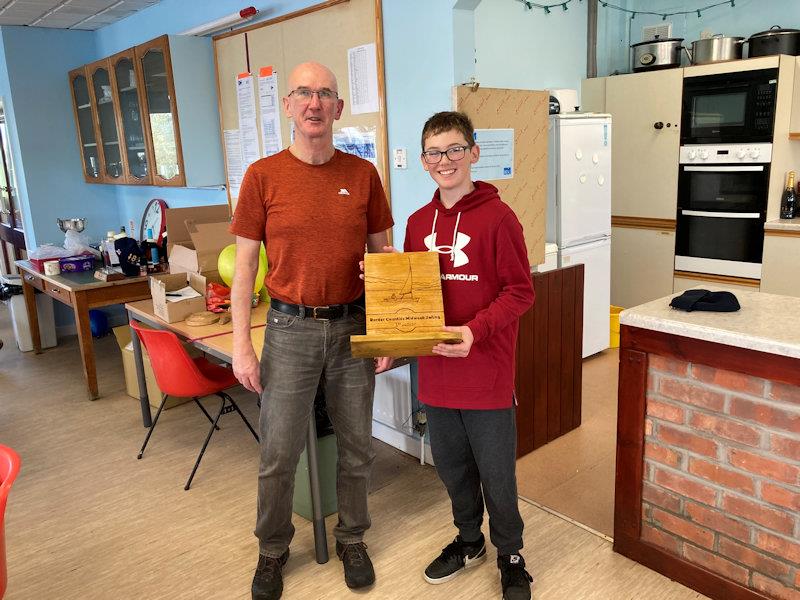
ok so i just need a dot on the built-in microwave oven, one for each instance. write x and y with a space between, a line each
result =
731 108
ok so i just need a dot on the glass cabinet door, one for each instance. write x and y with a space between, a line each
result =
133 132
84 116
161 113
107 118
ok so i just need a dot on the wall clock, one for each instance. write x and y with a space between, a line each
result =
154 218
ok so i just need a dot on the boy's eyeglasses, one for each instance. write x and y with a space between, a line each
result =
433 157
305 94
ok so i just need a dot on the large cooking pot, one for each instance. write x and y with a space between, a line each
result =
657 54
775 41
716 49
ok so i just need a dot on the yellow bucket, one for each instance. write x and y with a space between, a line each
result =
614 340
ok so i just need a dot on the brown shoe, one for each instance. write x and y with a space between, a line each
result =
268 579
358 570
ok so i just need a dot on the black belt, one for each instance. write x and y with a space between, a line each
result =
324 313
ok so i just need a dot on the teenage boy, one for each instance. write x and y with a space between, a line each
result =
468 388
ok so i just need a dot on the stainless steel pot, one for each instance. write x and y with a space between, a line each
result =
774 41
716 49
657 54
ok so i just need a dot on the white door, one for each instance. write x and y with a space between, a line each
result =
584 180
596 258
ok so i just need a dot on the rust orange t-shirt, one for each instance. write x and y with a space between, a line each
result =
315 220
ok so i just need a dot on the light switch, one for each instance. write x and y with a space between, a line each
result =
400 158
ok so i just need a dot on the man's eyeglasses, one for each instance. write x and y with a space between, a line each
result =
304 94
433 157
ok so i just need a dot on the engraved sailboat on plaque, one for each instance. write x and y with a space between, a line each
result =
405 312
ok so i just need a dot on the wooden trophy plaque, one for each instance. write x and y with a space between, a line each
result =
405 312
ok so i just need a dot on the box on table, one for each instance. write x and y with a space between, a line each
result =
154 395
38 263
76 264
172 312
195 237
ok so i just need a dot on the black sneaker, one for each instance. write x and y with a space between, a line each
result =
455 557
358 571
268 580
516 581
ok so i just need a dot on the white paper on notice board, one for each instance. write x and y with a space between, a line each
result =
269 103
497 154
362 67
233 161
248 130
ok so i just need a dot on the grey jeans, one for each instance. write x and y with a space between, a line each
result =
475 456
298 355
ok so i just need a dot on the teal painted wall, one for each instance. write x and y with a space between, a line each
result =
35 89
528 49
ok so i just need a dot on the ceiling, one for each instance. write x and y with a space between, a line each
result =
68 14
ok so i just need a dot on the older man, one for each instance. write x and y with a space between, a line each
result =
315 208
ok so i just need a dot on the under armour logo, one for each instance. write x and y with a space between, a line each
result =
457 254
344 192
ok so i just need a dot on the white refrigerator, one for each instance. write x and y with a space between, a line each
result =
579 212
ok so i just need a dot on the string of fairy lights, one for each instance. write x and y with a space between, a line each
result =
548 8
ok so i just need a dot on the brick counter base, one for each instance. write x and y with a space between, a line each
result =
721 475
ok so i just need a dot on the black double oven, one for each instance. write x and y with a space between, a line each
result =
726 148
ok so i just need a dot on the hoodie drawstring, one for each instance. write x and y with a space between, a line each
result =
455 235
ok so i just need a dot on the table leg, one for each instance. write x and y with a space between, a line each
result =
320 539
81 310
144 401
33 315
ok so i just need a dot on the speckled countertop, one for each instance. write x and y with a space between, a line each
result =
782 225
766 322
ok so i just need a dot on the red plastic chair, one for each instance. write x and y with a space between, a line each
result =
9 467
178 374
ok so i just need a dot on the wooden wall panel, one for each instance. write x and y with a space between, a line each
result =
549 364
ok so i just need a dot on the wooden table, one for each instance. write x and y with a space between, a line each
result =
217 340
82 292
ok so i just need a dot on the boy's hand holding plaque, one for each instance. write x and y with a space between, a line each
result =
405 314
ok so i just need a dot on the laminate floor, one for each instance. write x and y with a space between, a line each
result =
86 520
574 474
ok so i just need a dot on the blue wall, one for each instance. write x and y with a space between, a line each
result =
514 48
417 86
174 16
617 31
528 49
42 130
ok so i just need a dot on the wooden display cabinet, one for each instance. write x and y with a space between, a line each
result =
126 111
86 123
161 113
126 83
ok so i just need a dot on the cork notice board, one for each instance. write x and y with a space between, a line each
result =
323 33
525 112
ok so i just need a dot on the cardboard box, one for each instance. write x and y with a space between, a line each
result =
172 312
195 237
154 395
77 264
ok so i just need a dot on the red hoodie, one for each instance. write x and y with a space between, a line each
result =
486 284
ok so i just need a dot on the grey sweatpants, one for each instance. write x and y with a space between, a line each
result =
475 456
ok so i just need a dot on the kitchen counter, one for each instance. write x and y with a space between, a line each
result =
766 322
783 225
708 445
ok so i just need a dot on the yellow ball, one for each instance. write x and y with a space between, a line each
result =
227 261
